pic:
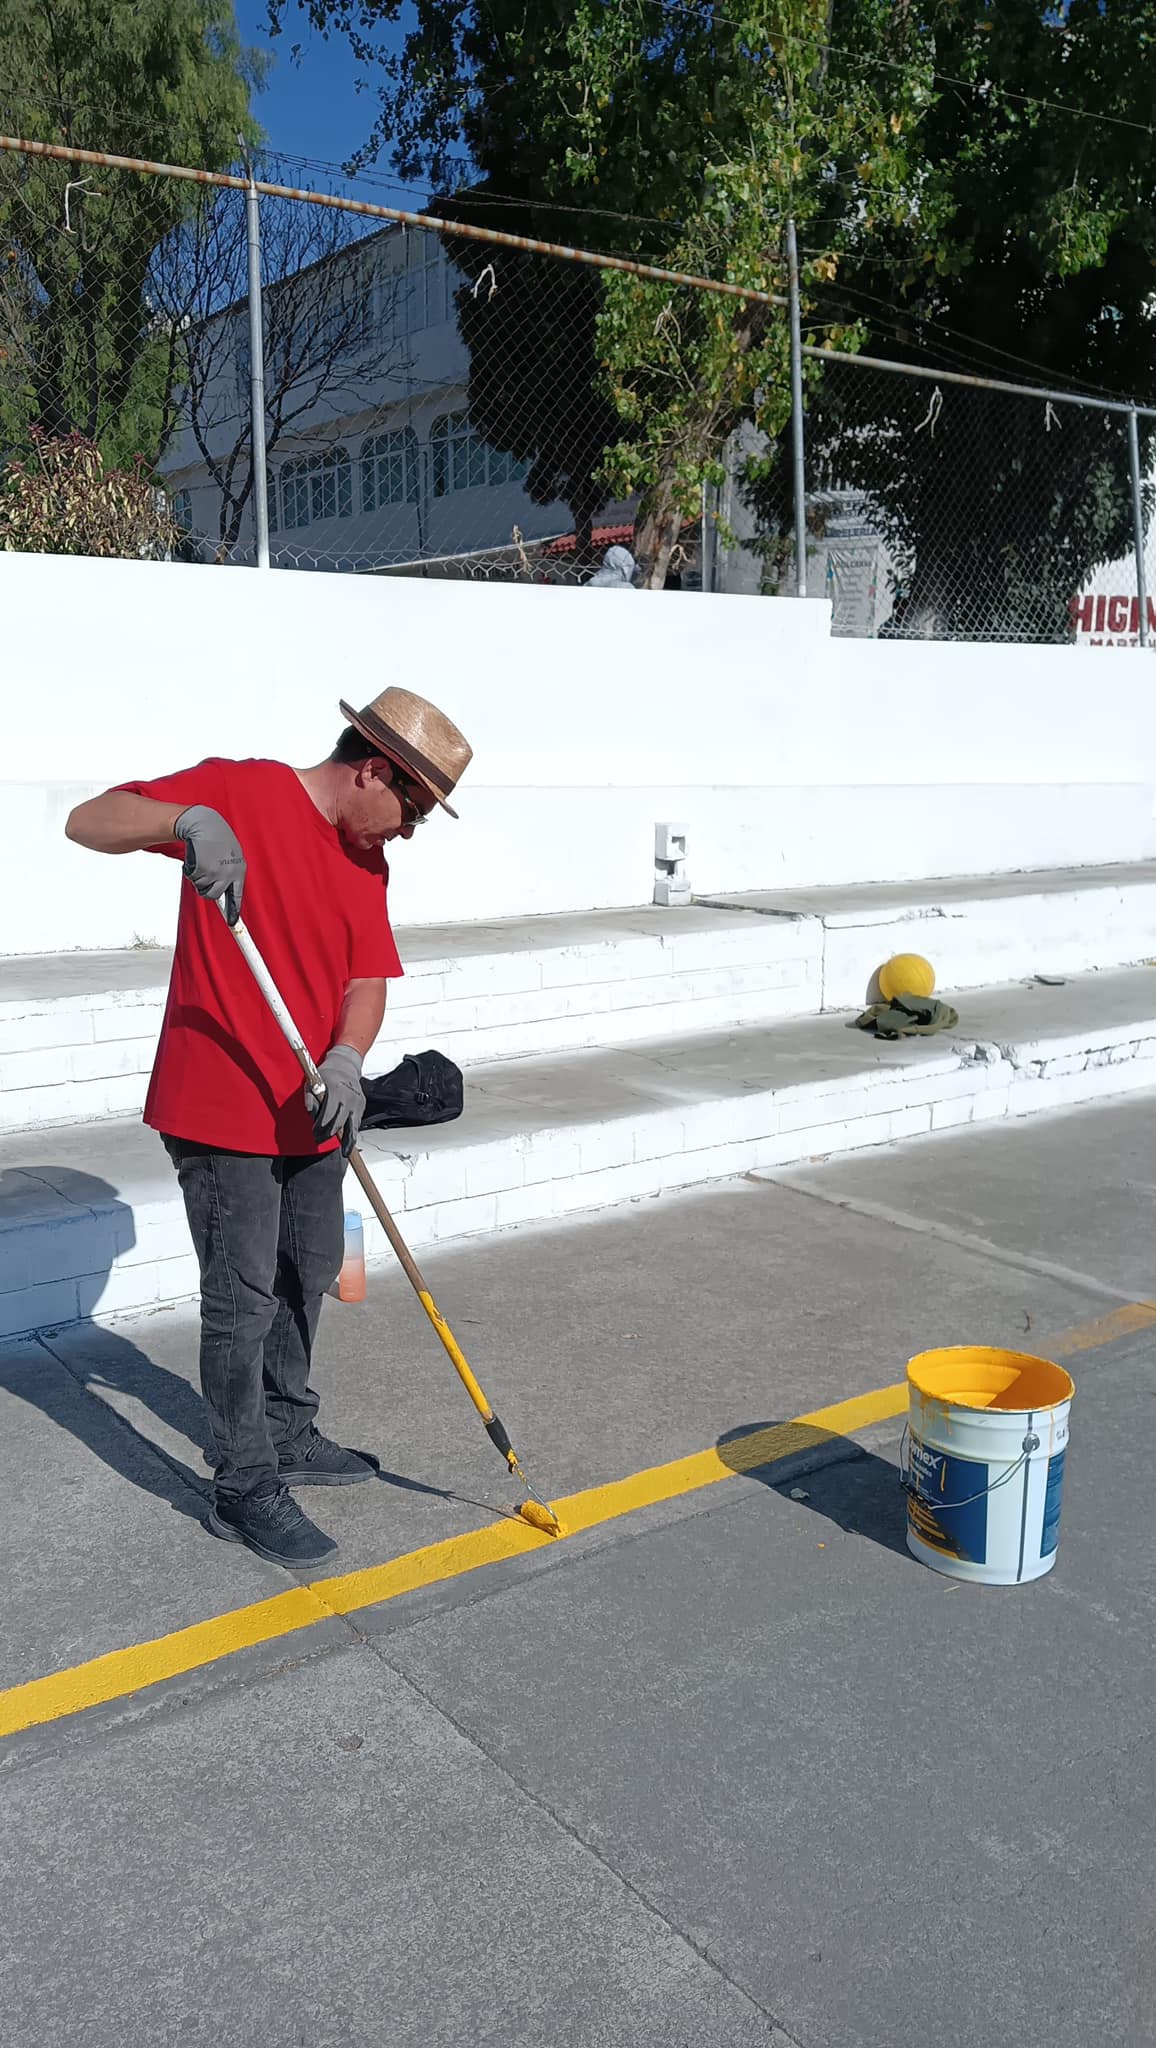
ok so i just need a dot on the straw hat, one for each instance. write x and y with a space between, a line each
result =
419 737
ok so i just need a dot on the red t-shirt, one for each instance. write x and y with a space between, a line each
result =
224 1075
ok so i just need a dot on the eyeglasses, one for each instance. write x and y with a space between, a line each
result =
412 812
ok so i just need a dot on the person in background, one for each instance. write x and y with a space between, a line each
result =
617 572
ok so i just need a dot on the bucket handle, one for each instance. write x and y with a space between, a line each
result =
1031 1443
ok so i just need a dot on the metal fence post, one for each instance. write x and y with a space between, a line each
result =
1138 525
257 375
797 448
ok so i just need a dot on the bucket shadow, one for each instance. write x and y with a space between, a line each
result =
848 1486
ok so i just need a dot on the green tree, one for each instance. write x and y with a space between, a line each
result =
530 325
965 177
1041 146
786 127
83 349
690 131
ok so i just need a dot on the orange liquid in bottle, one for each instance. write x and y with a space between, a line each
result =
351 1281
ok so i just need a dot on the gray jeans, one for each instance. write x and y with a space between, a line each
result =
268 1235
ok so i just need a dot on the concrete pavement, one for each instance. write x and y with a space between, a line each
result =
733 1770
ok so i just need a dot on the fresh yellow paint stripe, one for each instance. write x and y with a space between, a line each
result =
126 1671
598 1504
1119 1322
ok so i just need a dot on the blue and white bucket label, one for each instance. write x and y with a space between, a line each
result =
1053 1496
947 1508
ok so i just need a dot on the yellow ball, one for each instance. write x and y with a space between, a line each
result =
906 974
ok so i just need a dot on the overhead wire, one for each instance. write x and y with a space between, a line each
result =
937 327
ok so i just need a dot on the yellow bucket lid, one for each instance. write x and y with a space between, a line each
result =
982 1376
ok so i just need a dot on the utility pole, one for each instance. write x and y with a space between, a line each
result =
256 369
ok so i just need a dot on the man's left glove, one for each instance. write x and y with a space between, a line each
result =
340 1114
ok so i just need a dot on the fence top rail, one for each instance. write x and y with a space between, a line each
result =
465 230
497 238
933 376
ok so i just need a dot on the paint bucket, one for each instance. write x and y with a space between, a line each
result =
986 1442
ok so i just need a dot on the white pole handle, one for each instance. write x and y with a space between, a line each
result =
276 1002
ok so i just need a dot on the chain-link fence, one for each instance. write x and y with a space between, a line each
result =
947 508
434 400
431 403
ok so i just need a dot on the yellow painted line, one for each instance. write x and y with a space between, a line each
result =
598 1504
1119 1322
122 1672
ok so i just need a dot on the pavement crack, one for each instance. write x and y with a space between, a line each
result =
926 1226
777 2034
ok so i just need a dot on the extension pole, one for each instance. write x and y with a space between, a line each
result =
797 448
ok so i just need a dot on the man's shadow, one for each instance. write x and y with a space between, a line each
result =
80 1373
849 1486
77 1372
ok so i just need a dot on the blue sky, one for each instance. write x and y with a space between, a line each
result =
310 107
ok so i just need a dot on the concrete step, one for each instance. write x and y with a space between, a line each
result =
976 930
78 1030
91 1222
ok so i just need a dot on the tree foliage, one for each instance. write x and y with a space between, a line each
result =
530 326
62 499
81 348
973 183
1041 147
690 133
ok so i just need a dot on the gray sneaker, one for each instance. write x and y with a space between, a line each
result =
315 1460
274 1526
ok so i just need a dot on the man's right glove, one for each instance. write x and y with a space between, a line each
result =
214 862
339 1114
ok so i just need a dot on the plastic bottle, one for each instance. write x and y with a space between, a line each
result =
351 1282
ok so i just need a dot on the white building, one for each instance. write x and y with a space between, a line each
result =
377 464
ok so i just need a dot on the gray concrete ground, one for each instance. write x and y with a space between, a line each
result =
733 1770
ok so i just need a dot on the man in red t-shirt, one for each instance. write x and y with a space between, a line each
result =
260 1163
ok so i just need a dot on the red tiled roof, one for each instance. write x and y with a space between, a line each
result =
603 537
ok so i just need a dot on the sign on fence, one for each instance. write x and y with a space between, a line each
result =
1110 619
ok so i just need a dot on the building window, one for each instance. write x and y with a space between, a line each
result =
271 498
183 511
426 278
504 468
389 470
341 326
295 491
316 487
415 287
462 461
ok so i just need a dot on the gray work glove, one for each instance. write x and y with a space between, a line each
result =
340 1114
214 862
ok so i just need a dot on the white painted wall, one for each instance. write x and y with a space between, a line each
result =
793 758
